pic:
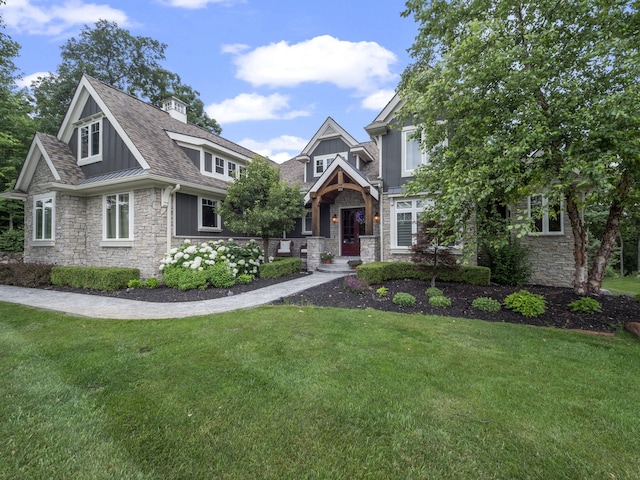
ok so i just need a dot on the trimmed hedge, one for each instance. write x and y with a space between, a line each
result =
96 278
379 272
30 275
280 267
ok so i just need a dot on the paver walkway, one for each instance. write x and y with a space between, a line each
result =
119 308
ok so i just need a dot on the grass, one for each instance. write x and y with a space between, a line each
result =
622 285
311 393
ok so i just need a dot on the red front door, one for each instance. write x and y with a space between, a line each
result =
351 231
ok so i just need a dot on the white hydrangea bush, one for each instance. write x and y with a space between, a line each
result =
239 260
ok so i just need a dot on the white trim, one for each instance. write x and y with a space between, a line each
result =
44 242
117 241
95 158
303 230
31 163
329 129
351 171
415 210
192 142
218 217
405 139
326 160
545 217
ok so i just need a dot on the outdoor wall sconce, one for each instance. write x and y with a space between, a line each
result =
376 217
334 219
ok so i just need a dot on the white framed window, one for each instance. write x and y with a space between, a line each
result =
322 162
307 226
231 169
208 216
220 166
412 154
90 142
404 222
44 219
118 217
548 216
208 162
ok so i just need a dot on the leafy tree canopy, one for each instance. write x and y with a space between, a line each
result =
126 62
532 97
259 203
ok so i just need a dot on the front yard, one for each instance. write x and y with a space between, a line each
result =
306 392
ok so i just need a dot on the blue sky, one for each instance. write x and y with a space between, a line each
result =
270 71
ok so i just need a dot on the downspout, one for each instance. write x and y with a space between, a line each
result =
168 196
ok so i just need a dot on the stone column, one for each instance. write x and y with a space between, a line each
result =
315 246
369 248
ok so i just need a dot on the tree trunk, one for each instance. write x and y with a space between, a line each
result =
580 274
621 255
265 248
611 229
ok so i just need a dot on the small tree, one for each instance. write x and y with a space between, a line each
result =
430 252
259 203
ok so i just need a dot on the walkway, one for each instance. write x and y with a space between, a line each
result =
119 308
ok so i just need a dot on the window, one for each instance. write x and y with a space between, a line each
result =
90 142
548 216
405 222
43 218
242 171
322 162
220 165
208 217
208 162
118 216
231 169
412 154
307 226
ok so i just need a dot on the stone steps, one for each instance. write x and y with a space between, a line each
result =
338 265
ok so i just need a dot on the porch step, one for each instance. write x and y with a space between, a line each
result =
338 265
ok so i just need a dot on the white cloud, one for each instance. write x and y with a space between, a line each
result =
26 16
278 149
378 100
192 4
25 82
234 48
252 106
362 66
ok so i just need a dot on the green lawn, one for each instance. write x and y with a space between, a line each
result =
308 393
622 285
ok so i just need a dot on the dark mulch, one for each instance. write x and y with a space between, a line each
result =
616 310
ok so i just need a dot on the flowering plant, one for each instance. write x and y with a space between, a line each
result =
326 256
360 218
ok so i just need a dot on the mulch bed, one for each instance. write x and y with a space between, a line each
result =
616 310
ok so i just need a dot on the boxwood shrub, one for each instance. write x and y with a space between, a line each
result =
379 272
97 278
25 274
280 267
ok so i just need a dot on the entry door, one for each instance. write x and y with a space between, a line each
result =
351 231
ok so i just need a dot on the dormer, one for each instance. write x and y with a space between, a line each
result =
176 108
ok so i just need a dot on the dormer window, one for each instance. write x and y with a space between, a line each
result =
90 142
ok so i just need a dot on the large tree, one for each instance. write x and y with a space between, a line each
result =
16 129
532 97
259 203
126 62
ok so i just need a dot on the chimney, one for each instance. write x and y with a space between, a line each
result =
176 108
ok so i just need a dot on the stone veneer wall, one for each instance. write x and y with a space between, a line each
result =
346 199
385 226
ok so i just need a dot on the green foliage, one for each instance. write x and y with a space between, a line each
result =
481 79
433 292
259 203
404 299
586 305
486 304
355 285
220 276
29 275
354 263
244 279
526 303
12 241
509 264
440 301
135 283
151 282
96 278
430 252
185 278
382 292
280 267
126 62
379 272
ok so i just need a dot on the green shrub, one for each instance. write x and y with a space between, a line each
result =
382 291
585 305
12 241
440 301
354 285
220 276
280 267
136 283
185 278
379 272
404 299
510 264
526 303
29 275
245 278
433 292
96 278
486 304
151 283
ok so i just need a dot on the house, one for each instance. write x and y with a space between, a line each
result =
123 181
